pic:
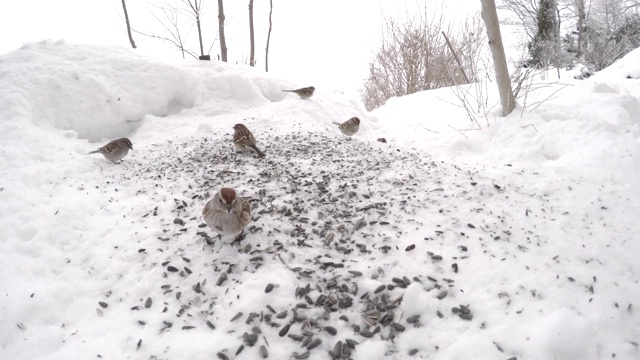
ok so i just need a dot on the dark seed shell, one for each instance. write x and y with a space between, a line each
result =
314 344
210 325
352 343
237 316
331 330
240 348
268 288
380 288
263 352
284 330
147 304
222 356
103 304
413 319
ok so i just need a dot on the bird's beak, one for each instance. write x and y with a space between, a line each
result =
229 208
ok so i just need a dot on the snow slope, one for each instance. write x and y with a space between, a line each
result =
517 241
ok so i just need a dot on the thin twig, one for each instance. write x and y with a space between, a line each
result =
534 127
428 129
461 133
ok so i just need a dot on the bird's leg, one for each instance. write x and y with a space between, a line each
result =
239 238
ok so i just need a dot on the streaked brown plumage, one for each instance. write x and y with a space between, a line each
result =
349 127
243 139
305 92
227 214
115 150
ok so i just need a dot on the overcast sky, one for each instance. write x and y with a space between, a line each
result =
326 43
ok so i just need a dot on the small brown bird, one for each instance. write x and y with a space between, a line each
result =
304 93
349 127
116 150
243 139
227 214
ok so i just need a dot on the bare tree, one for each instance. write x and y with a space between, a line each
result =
126 17
170 22
252 56
413 56
223 42
266 54
196 9
490 18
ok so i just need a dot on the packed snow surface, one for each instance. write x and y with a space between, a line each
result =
518 240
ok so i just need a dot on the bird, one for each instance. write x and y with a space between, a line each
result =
349 127
305 92
243 139
115 150
227 214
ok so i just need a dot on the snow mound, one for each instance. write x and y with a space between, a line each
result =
103 92
625 68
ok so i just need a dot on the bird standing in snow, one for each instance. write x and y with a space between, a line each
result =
305 92
243 139
115 150
227 214
349 127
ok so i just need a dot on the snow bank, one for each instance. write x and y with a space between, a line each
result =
103 92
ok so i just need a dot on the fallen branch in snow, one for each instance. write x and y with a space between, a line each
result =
285 264
458 131
428 129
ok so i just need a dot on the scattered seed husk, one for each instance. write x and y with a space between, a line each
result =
250 339
263 352
222 356
284 330
269 288
314 344
148 303
302 356
103 304
236 317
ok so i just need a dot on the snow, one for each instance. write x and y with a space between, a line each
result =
529 222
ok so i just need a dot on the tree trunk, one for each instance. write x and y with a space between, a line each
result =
199 30
252 56
266 55
126 18
581 16
223 42
490 18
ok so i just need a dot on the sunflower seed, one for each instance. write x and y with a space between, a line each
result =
147 304
314 344
222 356
236 317
250 339
268 288
263 352
284 330
302 356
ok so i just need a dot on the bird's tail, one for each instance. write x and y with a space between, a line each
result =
337 123
93 152
260 153
287 91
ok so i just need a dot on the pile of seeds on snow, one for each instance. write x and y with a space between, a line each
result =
337 214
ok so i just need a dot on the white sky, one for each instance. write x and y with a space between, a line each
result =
326 43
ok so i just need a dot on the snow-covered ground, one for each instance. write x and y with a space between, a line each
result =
517 241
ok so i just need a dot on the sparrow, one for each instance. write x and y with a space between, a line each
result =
243 139
304 93
115 150
227 214
349 127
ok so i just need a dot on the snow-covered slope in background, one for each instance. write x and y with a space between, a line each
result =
516 241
